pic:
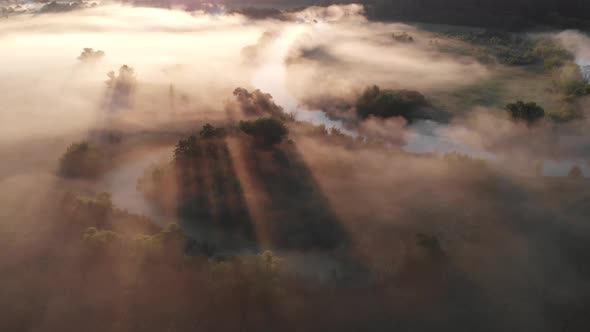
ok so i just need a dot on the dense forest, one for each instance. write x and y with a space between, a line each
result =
513 14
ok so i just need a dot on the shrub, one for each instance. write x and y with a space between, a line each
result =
529 112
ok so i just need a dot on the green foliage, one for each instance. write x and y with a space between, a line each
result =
529 112
506 48
551 54
209 131
511 49
389 103
82 160
569 80
268 131
565 114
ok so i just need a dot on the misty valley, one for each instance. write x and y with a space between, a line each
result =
294 166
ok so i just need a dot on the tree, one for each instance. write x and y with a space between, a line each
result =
390 103
89 54
529 112
571 81
186 149
209 131
122 86
82 160
268 131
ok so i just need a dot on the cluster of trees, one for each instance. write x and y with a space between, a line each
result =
78 212
510 49
570 81
258 103
82 159
209 131
390 103
186 150
529 112
402 37
551 54
89 54
122 86
266 131
189 148
59 7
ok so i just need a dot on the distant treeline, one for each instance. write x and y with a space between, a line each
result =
499 14
505 14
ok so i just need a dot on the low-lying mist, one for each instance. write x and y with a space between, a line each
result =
176 170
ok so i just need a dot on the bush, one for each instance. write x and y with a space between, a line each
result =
266 130
529 112
390 103
82 160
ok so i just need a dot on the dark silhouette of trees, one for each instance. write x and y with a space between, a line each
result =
82 160
258 103
501 14
186 149
268 131
209 131
390 103
89 54
529 112
122 86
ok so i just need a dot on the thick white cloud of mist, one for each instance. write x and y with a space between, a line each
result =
46 91
198 59
579 45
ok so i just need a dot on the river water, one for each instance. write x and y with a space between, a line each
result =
121 183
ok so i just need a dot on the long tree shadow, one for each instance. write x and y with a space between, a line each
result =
290 211
211 200
301 216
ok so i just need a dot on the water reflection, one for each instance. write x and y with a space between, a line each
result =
121 183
